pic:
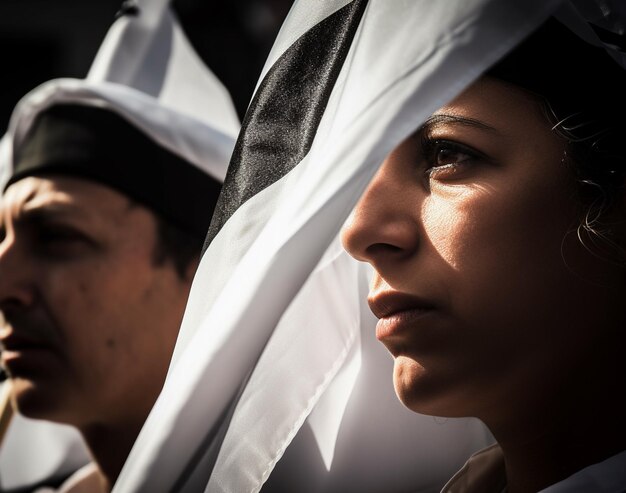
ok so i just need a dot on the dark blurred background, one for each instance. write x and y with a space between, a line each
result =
45 39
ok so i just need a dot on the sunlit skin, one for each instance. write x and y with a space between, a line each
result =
91 321
487 300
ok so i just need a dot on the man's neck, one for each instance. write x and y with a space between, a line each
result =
110 446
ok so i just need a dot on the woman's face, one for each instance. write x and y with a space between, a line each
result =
484 293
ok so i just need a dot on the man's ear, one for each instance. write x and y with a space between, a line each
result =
190 270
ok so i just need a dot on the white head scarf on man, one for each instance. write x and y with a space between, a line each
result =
273 343
146 71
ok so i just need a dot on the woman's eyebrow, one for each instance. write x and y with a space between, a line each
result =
444 119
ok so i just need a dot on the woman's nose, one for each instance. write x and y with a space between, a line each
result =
384 225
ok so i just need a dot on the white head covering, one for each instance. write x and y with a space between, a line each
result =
147 72
274 335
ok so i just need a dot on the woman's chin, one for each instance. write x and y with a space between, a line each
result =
424 391
410 379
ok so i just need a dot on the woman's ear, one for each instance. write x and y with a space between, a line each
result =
603 229
595 248
618 223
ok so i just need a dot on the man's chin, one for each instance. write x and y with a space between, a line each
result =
35 401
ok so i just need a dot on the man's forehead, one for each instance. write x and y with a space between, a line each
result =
63 196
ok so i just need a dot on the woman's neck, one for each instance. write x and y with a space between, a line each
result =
580 426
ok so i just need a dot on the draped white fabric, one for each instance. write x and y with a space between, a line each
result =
274 298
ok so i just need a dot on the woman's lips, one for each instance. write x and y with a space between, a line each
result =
397 312
397 322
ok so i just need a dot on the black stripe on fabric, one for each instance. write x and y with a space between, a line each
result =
279 127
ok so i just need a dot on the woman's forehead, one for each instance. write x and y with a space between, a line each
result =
493 107
490 97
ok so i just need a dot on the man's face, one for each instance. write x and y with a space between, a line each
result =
90 320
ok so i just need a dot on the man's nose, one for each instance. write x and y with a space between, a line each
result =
383 226
16 283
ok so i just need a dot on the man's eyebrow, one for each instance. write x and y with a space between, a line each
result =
49 212
444 119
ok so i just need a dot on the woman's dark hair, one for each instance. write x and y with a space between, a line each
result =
582 91
595 153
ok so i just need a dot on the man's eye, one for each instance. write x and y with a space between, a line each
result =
60 240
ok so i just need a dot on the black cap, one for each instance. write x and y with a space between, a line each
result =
100 145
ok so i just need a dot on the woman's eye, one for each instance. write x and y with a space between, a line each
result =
447 160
